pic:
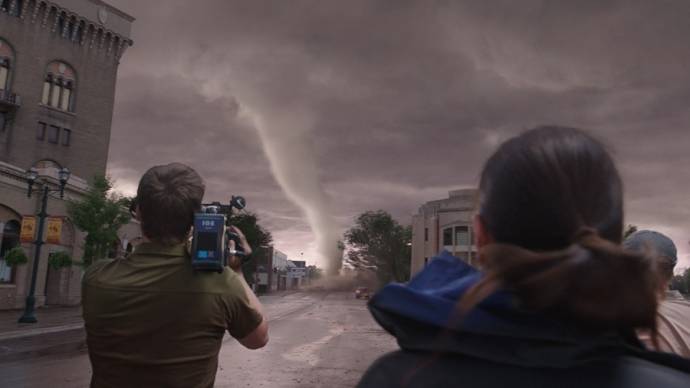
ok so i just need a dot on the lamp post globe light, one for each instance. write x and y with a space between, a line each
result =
31 177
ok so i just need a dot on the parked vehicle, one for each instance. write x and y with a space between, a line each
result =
362 293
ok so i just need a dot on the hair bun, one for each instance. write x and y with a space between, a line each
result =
594 281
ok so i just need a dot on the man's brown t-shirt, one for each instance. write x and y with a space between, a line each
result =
152 321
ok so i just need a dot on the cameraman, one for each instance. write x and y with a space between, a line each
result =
151 320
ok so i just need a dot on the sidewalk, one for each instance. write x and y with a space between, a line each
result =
58 330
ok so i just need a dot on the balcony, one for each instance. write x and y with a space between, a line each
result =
9 101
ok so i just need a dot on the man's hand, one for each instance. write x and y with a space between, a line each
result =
234 261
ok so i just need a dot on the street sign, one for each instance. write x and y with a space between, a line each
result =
54 230
28 231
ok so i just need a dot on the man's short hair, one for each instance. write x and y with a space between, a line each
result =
659 246
167 198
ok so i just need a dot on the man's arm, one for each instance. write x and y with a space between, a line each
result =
258 338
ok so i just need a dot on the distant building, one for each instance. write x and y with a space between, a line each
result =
444 224
58 68
279 273
271 271
296 273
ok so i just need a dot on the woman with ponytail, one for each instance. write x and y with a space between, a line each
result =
557 300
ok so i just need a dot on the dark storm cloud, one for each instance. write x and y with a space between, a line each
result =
405 99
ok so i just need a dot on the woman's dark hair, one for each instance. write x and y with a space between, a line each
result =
552 200
167 198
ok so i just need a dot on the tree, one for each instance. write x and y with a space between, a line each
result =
100 214
380 244
629 229
681 282
258 238
314 272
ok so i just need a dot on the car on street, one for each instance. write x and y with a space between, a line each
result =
362 293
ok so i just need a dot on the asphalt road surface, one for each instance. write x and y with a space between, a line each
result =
317 340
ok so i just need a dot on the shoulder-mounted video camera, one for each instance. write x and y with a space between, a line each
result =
210 240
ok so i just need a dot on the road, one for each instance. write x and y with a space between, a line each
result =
317 340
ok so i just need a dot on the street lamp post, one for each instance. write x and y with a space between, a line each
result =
31 176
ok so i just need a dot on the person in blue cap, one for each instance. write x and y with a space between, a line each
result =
674 310
557 300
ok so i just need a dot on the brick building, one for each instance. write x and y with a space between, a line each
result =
58 69
444 224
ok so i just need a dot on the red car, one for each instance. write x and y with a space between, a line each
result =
362 292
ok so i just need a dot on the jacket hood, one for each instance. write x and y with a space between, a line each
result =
423 316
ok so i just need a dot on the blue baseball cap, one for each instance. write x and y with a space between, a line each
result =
658 243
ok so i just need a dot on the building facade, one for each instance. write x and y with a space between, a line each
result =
271 272
58 69
279 272
296 273
444 224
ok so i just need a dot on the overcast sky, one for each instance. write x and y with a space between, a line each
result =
394 103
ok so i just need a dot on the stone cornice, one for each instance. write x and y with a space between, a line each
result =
17 176
75 28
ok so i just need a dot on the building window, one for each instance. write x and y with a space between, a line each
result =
10 239
53 134
71 29
448 236
47 85
79 34
462 235
2 121
6 6
41 131
426 234
66 98
6 58
426 261
55 93
66 136
19 4
4 73
59 86
61 23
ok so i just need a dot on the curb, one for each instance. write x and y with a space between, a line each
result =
9 335
48 343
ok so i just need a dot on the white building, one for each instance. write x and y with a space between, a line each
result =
296 273
278 276
280 260
444 224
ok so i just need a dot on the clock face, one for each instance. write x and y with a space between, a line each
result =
102 15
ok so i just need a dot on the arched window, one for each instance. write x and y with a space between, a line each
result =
6 59
59 86
13 9
10 239
79 32
17 10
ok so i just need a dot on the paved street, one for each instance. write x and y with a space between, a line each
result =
317 340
